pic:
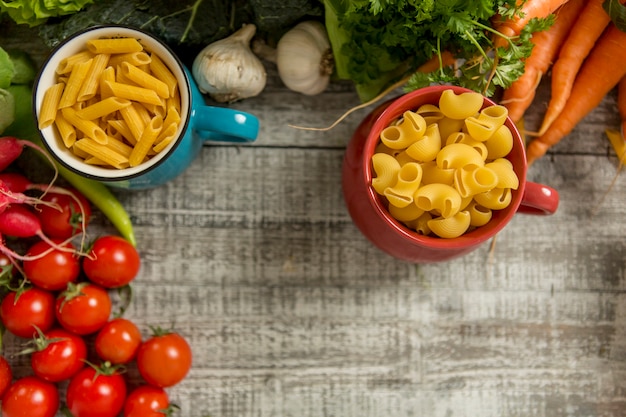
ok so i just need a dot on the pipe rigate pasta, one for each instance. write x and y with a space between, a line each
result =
441 198
495 115
427 147
386 168
405 214
430 113
420 225
409 180
479 215
448 126
472 179
460 137
481 130
460 106
500 143
404 158
450 227
411 128
507 178
457 155
432 174
495 199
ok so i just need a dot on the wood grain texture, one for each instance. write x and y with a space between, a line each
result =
291 312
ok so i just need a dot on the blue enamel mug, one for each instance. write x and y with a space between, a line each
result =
199 122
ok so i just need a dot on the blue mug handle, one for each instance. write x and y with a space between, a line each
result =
220 124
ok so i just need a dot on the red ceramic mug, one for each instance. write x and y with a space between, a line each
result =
369 210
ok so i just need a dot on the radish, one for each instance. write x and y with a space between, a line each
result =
18 183
11 148
19 221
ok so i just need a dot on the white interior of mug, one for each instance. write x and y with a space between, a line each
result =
48 77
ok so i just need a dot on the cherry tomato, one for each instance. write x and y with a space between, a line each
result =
164 359
96 393
30 396
118 341
60 354
54 270
21 312
83 308
65 220
6 375
147 401
113 262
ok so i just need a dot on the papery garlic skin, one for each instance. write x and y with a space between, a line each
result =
304 58
227 70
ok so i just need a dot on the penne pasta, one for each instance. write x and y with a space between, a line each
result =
144 79
103 153
50 105
66 130
131 92
74 83
66 65
163 73
92 80
145 142
89 128
134 58
114 46
102 108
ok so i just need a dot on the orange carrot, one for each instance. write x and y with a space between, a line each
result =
602 70
530 9
588 28
521 93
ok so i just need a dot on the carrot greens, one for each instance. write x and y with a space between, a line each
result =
378 42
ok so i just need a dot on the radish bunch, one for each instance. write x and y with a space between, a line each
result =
18 208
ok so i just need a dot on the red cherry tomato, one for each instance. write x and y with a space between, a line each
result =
6 375
54 270
66 219
164 360
147 401
32 307
96 393
60 355
118 341
84 308
113 262
32 397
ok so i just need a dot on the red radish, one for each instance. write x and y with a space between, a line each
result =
8 197
18 220
11 148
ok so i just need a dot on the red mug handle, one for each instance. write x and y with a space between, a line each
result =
539 199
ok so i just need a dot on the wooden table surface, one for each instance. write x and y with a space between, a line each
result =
291 312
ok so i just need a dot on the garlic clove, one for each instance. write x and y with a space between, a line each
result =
304 58
227 69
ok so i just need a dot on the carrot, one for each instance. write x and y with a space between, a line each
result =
530 9
521 93
588 28
601 72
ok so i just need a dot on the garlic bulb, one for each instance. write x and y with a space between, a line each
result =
304 58
227 70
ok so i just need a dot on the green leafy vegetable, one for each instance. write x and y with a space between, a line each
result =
7 69
185 25
37 12
617 11
378 42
